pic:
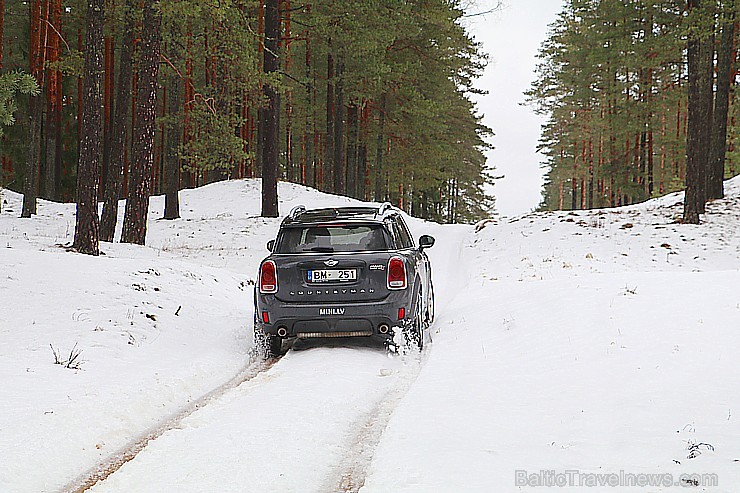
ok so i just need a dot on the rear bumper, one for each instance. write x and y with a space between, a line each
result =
359 319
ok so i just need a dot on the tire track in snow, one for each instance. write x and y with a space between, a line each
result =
115 461
349 476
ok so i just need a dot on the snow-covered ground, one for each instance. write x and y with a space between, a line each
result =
602 342
598 341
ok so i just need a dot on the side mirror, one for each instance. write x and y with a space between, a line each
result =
271 245
426 241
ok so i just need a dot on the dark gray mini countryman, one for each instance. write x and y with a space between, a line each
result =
344 272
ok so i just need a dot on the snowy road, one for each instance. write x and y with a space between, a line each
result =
310 422
292 428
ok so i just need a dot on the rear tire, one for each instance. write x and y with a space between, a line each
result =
267 345
414 331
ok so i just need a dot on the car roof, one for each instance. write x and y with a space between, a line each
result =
299 215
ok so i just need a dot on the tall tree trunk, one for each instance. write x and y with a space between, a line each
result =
115 171
338 164
88 168
35 114
189 95
330 117
33 157
590 193
707 104
379 195
2 30
352 135
363 175
642 176
137 202
172 156
54 103
308 156
270 121
718 141
649 30
292 172
700 119
108 137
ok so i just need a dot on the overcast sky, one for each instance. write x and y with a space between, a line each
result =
512 38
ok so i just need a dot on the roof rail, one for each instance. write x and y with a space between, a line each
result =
297 211
385 206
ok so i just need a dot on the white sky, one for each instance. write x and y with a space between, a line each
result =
512 38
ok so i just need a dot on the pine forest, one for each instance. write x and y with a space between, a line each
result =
640 101
371 99
125 99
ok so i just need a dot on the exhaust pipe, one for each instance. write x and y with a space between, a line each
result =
383 329
282 332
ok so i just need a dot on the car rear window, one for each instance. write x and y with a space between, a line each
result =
332 238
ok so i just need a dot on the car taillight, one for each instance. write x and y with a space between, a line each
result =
268 277
396 273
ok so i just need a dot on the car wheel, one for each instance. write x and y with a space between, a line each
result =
414 331
267 345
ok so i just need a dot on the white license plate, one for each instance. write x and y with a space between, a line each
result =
326 275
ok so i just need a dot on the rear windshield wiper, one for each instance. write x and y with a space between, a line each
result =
319 249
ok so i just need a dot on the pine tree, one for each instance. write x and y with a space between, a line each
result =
718 140
137 202
53 157
269 121
172 147
117 160
33 157
699 54
87 227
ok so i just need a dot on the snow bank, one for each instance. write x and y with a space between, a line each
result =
155 327
592 341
